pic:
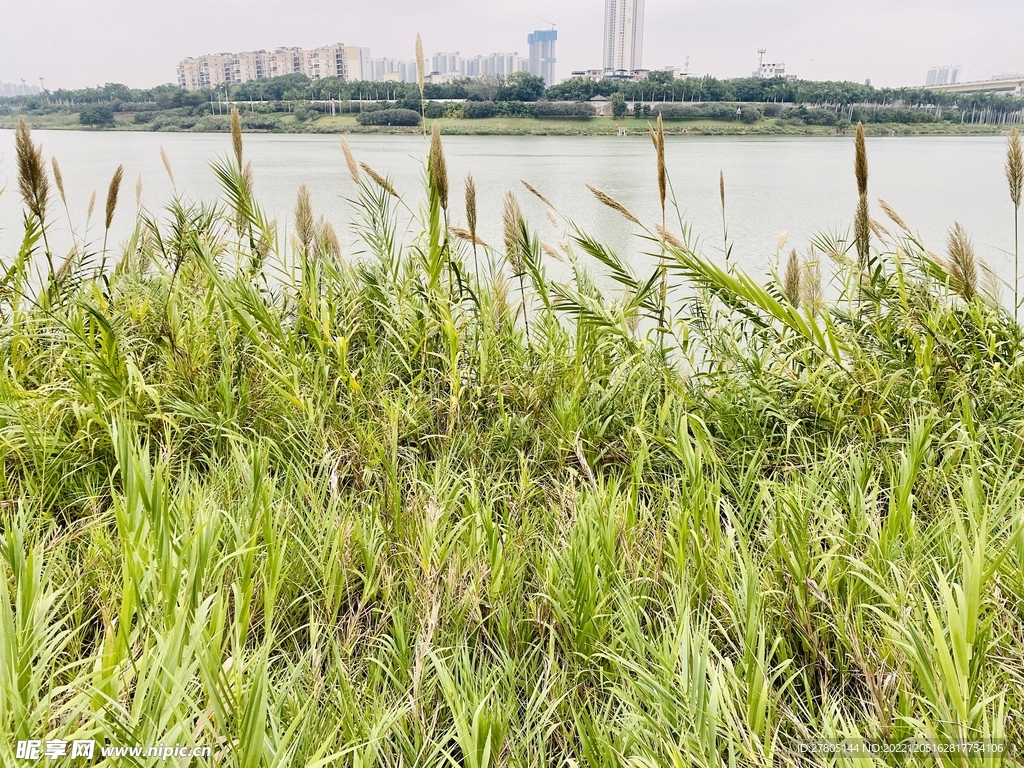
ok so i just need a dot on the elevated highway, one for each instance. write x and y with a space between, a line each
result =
1012 85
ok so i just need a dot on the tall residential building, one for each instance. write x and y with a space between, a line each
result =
944 75
542 54
623 35
348 62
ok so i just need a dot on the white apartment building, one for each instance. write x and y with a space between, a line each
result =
623 35
348 62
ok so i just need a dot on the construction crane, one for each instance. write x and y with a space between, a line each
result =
549 22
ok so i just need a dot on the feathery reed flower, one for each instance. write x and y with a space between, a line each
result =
236 135
32 180
862 225
962 263
421 65
471 206
328 237
511 219
304 227
138 191
811 292
112 192
893 216
350 160
167 165
59 179
658 138
791 279
436 165
1015 176
92 205
670 238
379 180
536 193
614 204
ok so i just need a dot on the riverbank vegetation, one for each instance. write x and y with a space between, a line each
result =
423 503
294 103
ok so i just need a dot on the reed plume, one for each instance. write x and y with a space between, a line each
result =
791 279
614 204
553 219
236 136
167 165
304 226
512 220
551 251
671 239
328 237
962 263
138 191
421 64
536 193
112 192
862 226
59 180
1015 176
437 167
658 139
893 216
32 180
92 206
472 221
379 180
464 234
350 160
811 292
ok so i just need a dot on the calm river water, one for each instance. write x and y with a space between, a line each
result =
798 185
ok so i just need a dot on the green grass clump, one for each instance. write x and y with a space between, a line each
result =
424 505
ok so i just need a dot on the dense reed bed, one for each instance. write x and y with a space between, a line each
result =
422 505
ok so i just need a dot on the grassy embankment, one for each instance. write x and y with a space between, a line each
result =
421 505
525 126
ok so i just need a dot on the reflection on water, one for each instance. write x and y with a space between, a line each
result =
797 185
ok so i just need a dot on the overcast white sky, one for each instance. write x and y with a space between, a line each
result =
139 42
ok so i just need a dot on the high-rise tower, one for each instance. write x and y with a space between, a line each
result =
542 54
623 34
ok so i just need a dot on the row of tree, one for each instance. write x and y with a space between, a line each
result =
526 88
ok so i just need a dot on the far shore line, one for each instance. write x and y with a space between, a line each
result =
599 126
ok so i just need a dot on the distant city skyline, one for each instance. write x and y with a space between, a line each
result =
139 43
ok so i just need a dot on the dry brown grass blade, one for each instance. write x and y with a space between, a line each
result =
350 160
112 192
614 204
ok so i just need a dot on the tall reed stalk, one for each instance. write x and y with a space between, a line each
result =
1015 178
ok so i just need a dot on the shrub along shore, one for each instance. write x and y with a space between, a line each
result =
422 504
